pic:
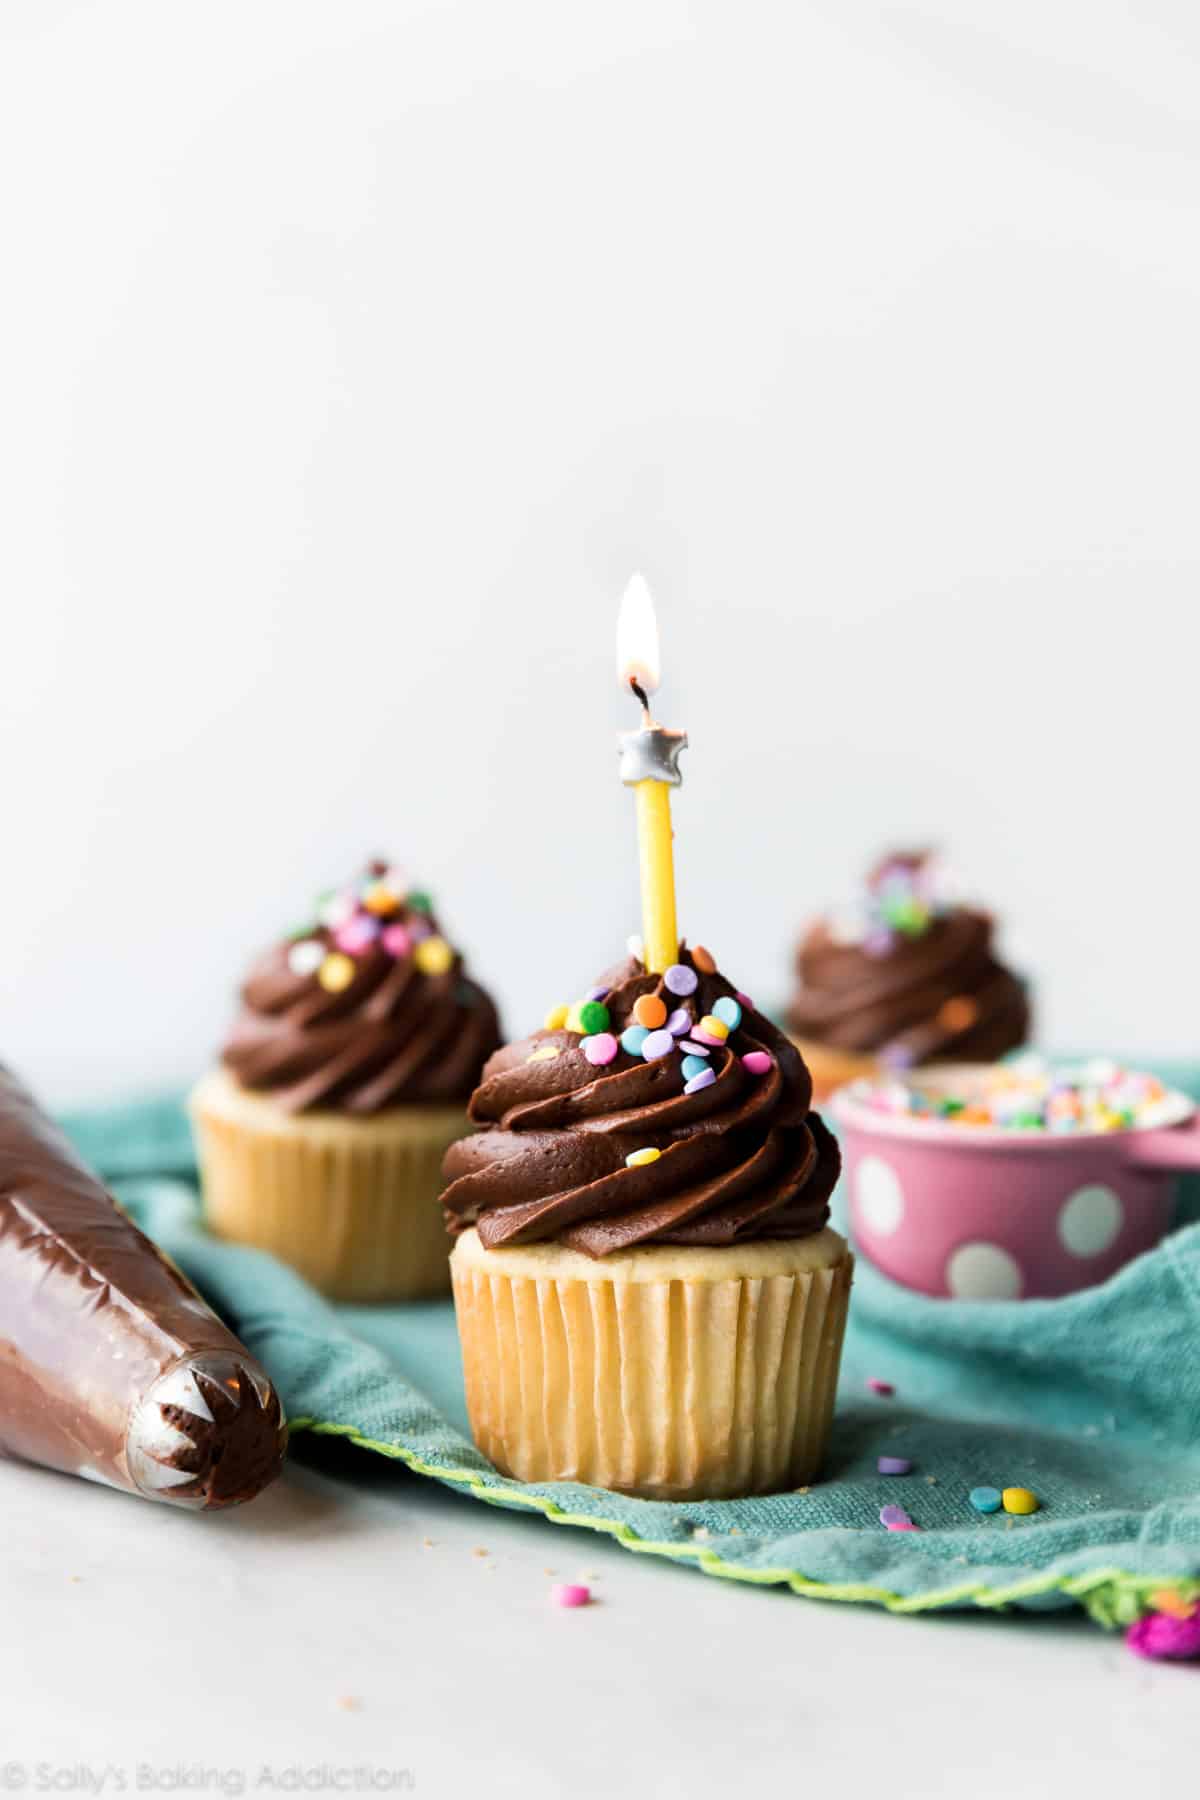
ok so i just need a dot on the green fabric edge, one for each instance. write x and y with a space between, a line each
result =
1111 1597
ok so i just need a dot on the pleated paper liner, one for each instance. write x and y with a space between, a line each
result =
351 1203
671 1373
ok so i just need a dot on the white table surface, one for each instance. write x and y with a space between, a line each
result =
317 1629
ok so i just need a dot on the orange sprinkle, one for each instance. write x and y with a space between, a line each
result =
958 1014
704 960
974 1115
649 1011
1166 1600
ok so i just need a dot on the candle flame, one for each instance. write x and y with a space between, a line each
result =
637 638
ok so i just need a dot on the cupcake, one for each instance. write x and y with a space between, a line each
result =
906 976
345 1077
648 1295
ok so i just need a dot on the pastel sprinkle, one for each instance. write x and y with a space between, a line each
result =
601 1048
556 1018
757 1062
597 993
593 1016
306 958
544 1053
570 1593
693 1065
702 1035
728 1011
704 960
1029 1096
632 1039
1167 1600
419 928
713 1027
985 1499
681 980
572 1021
638 1159
1020 1500
907 1525
1166 1637
656 1044
705 1079
396 941
893 1516
379 898
356 936
880 1387
747 1003
692 1048
650 1011
418 901
336 972
336 910
433 956
894 1465
679 1022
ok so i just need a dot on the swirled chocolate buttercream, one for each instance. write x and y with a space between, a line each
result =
908 974
662 1109
366 1006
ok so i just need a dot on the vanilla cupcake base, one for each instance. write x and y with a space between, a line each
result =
831 1069
676 1373
352 1203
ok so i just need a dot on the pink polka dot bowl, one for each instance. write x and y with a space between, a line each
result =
981 1212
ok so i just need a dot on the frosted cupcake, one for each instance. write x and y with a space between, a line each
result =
345 1077
907 976
648 1294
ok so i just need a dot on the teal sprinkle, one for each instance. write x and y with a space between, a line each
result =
632 1039
418 901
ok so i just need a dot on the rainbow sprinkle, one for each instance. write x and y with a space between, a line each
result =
1028 1095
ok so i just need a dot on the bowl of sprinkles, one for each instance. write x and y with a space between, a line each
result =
1012 1181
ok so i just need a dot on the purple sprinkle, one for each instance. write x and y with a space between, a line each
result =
598 993
679 1022
681 980
704 1079
892 1516
894 1465
896 1056
879 941
745 1001
659 1043
692 1048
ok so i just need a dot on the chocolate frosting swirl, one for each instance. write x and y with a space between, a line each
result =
368 1008
936 993
740 1158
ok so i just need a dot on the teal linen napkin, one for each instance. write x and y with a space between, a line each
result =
1093 1401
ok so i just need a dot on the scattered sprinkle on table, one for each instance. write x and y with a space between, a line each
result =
985 1499
349 1703
894 1517
876 1386
570 1593
894 1465
1020 1500
1166 1637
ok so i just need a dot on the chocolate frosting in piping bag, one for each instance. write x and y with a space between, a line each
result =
111 1365
740 1158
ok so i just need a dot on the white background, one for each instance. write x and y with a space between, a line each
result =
352 355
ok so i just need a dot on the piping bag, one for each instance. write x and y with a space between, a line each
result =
111 1365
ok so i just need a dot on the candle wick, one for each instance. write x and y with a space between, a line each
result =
641 695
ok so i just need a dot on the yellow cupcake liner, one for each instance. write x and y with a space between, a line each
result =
353 1204
671 1373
